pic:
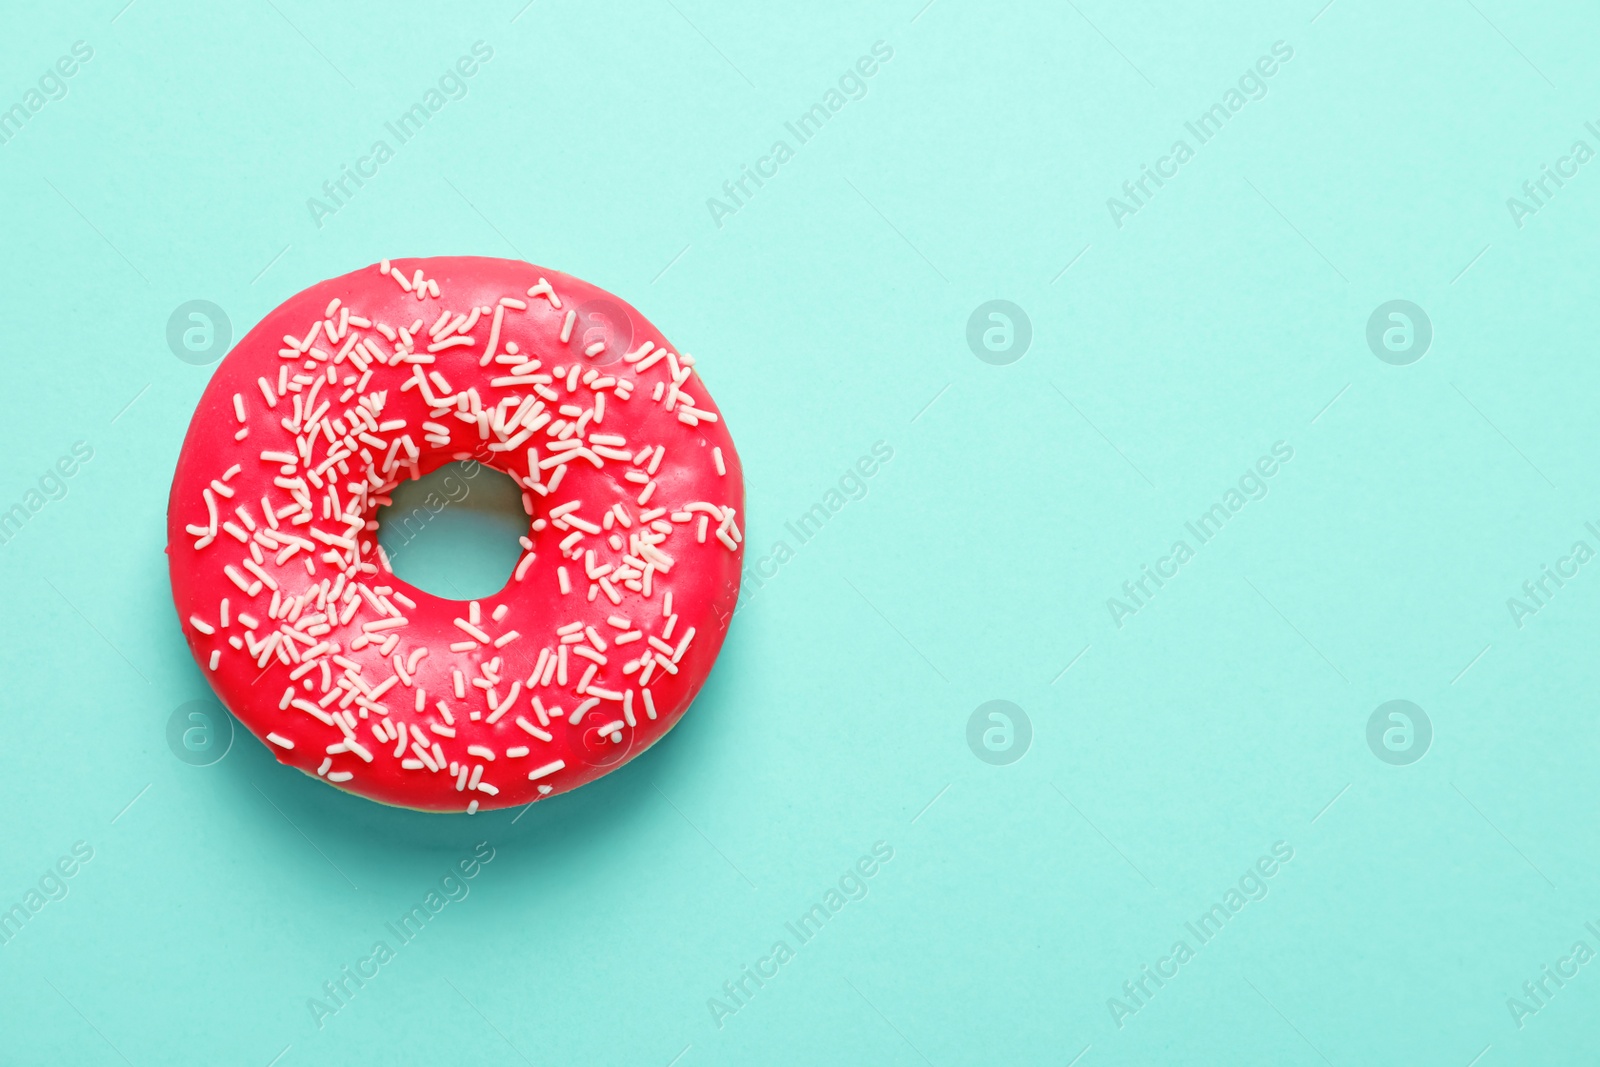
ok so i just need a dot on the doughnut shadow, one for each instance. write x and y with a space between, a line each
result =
373 844
357 834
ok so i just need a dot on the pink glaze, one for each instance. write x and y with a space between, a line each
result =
353 674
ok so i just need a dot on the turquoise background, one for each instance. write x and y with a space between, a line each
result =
830 312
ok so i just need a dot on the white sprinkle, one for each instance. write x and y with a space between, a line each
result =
279 740
543 289
475 633
532 729
494 336
538 668
546 770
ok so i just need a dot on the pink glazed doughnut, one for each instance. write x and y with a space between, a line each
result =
630 566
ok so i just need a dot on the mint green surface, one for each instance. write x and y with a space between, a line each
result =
1172 747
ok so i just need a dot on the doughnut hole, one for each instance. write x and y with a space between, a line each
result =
454 532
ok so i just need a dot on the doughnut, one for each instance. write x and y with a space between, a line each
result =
620 600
